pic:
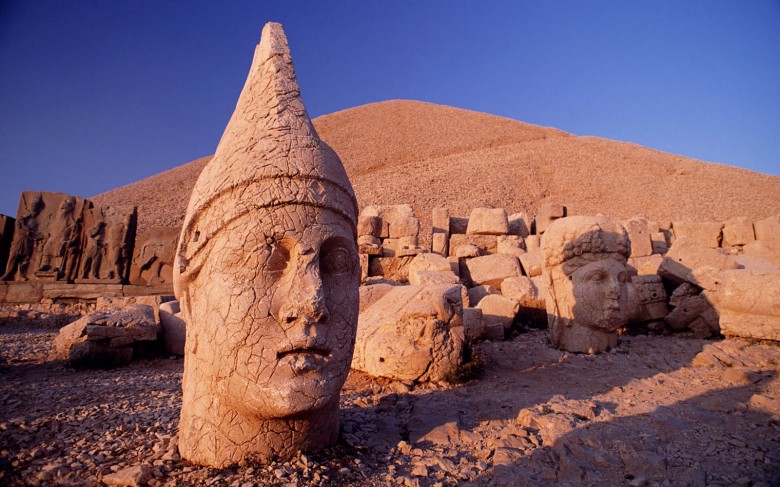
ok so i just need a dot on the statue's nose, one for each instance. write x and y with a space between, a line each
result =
305 302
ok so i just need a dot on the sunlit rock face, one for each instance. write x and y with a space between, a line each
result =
588 285
267 274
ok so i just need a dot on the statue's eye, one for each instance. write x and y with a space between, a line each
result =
597 276
336 261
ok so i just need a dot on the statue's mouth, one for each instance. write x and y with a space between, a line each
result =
320 351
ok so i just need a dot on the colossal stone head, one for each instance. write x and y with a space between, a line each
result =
587 282
267 274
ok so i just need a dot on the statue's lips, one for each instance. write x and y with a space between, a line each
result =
319 351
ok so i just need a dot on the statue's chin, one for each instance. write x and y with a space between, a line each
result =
297 396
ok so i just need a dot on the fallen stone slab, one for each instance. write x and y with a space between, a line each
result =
105 339
488 221
748 303
492 269
174 328
707 234
687 255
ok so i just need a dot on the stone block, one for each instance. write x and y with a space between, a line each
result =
639 232
174 328
454 265
105 339
687 255
498 311
23 292
510 245
660 242
487 244
408 333
428 262
147 290
531 262
492 269
696 314
363 259
369 226
107 302
644 266
397 220
707 234
368 240
396 268
473 327
764 250
547 213
467 251
440 221
523 290
488 221
768 230
737 231
533 242
476 293
519 224
440 244
422 278
458 225
747 302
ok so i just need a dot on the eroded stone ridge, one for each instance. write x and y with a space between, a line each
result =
267 277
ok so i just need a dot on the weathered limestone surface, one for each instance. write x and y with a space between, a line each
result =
639 230
153 256
695 313
531 262
707 234
105 339
524 290
411 333
519 224
488 221
267 277
487 244
645 266
510 245
498 313
547 214
476 293
687 255
6 237
768 230
396 220
492 269
748 303
737 231
586 278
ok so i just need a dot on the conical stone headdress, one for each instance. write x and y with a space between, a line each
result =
269 156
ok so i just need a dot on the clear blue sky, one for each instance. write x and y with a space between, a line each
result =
97 94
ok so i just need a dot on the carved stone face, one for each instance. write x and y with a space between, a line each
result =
600 294
274 310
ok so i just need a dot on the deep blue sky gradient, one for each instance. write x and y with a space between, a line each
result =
98 94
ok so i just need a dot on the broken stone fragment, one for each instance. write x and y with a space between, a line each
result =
174 328
737 231
639 231
498 314
686 255
547 214
105 339
409 333
748 303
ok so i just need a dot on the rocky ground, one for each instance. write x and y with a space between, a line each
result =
659 410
